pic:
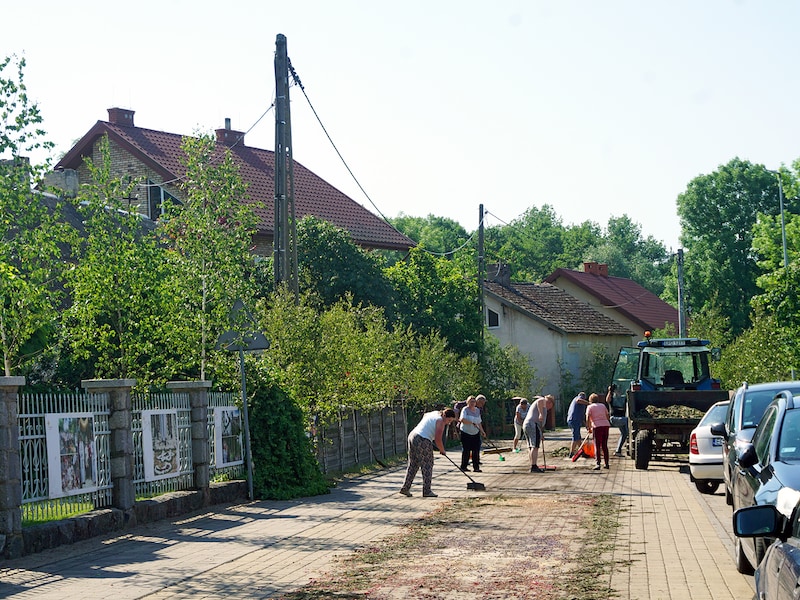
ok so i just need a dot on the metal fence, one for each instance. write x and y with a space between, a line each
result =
86 466
55 469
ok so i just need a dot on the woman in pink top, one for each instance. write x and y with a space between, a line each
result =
598 424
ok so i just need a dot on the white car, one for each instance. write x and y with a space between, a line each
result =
705 451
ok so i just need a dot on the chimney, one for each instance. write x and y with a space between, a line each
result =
594 268
228 136
499 273
120 116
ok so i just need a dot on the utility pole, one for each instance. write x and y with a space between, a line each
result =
481 268
681 305
284 239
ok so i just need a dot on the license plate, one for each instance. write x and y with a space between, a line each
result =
716 441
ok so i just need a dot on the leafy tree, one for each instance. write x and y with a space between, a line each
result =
538 243
628 255
114 320
717 213
761 353
505 371
331 266
29 230
210 235
435 296
439 235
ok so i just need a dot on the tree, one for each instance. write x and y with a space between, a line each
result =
435 296
331 266
717 213
114 317
209 236
30 231
628 255
439 235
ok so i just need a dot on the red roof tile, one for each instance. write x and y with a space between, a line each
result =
623 295
313 196
556 308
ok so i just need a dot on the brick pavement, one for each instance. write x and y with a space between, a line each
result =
675 546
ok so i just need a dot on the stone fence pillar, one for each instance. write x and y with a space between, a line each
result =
198 400
120 422
11 543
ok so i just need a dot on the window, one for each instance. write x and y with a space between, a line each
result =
156 197
493 318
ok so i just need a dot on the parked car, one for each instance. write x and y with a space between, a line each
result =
766 465
705 451
778 573
744 413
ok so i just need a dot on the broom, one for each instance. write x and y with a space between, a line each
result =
582 450
472 485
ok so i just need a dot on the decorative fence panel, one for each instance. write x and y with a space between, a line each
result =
70 470
162 441
226 450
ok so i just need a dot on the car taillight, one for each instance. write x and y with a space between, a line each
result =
693 445
636 386
715 385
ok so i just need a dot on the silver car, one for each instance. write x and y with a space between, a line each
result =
705 451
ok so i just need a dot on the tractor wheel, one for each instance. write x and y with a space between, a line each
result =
642 449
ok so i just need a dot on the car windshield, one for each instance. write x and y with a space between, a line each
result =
715 414
756 402
789 445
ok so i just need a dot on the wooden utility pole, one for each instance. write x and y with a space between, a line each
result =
481 268
284 239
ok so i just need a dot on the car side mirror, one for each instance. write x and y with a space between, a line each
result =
762 520
719 429
747 457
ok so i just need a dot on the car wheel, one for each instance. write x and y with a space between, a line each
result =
704 486
742 564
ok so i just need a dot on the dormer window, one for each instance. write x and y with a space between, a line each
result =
156 198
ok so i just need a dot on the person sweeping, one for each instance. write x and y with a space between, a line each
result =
533 426
429 431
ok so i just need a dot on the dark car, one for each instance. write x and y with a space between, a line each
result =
778 573
744 413
765 466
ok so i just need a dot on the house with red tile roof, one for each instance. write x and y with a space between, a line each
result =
618 298
154 157
553 328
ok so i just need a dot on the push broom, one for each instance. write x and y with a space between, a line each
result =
472 485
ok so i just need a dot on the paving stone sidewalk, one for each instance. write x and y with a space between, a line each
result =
675 546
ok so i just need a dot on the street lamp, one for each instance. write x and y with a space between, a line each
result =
783 234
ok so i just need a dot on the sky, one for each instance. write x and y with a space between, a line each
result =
598 109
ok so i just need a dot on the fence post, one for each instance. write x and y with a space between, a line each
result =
11 543
119 420
198 400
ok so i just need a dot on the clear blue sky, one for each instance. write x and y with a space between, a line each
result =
598 108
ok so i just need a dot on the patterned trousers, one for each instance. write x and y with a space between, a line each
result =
420 455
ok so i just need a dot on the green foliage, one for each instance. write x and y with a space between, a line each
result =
331 266
710 323
434 296
29 229
284 465
505 371
764 352
438 235
628 255
597 372
717 213
209 254
538 243
114 320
